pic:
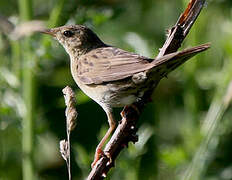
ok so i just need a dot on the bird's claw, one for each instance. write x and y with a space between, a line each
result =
99 153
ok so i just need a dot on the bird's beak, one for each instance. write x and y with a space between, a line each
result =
49 32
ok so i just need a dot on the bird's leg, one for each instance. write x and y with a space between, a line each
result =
99 151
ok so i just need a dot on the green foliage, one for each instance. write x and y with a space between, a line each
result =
184 134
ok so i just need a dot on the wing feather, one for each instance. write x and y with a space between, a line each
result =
111 64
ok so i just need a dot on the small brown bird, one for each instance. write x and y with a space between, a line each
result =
111 76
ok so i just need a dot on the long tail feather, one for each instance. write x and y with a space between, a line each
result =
169 62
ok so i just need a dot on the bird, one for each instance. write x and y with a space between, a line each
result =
111 76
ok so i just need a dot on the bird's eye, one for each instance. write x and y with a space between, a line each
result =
68 33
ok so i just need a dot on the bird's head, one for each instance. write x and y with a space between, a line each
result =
77 39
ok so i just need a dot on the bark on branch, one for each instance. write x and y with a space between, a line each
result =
126 130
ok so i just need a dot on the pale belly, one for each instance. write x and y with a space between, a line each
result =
107 95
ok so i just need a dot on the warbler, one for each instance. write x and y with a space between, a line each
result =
111 76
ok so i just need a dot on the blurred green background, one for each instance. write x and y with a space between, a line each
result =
185 133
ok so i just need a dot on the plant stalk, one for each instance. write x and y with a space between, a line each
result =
25 11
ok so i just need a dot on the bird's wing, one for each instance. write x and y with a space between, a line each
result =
109 64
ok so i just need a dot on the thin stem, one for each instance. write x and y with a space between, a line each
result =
54 19
28 124
68 160
55 14
25 10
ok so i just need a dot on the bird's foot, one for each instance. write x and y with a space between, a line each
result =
98 154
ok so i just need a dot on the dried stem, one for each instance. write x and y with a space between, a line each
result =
126 130
71 115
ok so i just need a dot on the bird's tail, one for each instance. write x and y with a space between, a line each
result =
169 62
